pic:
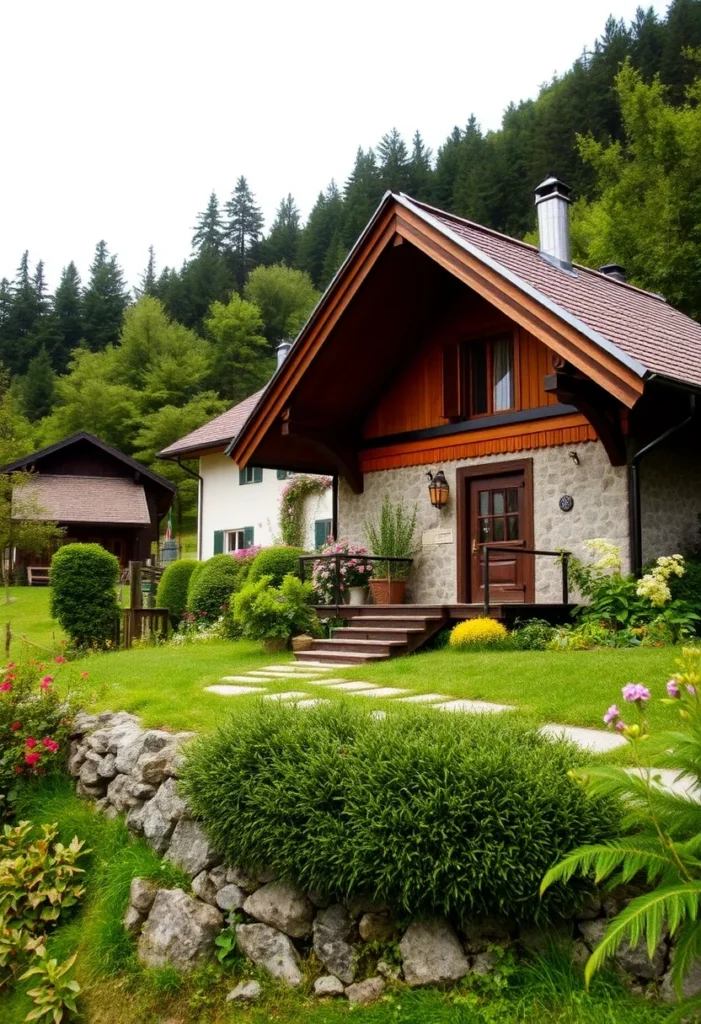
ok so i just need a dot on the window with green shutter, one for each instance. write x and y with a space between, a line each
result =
323 528
251 475
285 474
237 540
218 542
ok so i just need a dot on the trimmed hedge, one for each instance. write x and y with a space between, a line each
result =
199 566
450 814
84 579
172 590
210 594
275 562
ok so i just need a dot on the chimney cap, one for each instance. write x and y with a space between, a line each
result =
552 187
615 271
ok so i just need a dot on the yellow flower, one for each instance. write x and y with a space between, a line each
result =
477 631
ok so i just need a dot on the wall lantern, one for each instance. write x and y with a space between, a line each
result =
438 489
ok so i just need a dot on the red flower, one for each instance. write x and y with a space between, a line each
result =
84 675
31 742
10 664
5 687
18 769
46 682
50 744
60 660
15 726
31 759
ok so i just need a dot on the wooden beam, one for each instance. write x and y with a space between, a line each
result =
342 450
603 413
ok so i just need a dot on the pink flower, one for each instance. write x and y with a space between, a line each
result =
50 744
691 689
31 742
31 759
5 687
46 682
15 726
60 660
620 725
10 664
672 689
612 714
634 692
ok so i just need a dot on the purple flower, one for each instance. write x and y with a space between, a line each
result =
612 714
672 689
691 689
621 725
635 692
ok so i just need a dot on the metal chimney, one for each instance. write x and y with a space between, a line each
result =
615 271
282 351
552 198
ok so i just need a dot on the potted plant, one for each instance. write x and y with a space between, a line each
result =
391 536
354 574
275 614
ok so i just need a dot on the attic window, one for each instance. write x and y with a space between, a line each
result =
490 380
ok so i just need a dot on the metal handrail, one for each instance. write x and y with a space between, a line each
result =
341 556
564 555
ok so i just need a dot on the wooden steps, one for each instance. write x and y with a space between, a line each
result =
376 633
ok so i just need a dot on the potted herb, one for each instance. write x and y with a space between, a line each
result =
391 536
354 574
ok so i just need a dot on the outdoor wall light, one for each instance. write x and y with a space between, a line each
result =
574 457
438 489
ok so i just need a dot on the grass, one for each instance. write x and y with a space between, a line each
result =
28 615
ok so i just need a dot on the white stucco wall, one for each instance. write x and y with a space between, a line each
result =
229 506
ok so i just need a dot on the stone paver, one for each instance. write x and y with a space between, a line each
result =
423 698
472 706
589 739
378 715
241 679
323 682
311 703
352 687
327 667
295 666
668 780
380 691
289 695
234 691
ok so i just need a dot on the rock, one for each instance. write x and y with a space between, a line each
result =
282 906
484 963
161 815
135 819
124 792
116 794
135 791
270 949
392 972
245 992
179 931
318 899
76 757
485 932
154 768
333 930
82 724
107 769
328 985
635 961
189 848
593 931
590 908
230 898
432 954
142 893
218 877
90 792
133 921
358 905
99 741
203 887
130 749
241 878
112 719
377 928
122 734
364 992
88 772
580 952
266 875
691 985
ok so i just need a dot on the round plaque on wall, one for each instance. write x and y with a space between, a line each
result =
566 503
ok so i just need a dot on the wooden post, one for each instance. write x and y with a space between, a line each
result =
135 602
8 639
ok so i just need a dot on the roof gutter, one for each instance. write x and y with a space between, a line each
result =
200 505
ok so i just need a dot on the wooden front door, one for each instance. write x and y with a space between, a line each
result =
497 509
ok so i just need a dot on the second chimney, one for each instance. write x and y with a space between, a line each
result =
552 199
282 351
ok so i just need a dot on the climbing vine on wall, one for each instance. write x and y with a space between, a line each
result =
296 492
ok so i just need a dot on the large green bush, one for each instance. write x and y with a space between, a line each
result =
275 562
264 612
84 579
172 590
453 814
210 595
688 587
192 582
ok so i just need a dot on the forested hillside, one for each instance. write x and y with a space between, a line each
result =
142 366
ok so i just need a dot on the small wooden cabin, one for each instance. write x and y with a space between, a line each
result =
98 494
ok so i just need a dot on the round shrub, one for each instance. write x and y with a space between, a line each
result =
533 635
172 590
275 562
84 579
435 814
477 633
688 587
211 592
199 566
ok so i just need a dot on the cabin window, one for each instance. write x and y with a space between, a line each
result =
490 366
323 530
237 540
250 475
285 474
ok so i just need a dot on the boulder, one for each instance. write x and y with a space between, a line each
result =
266 875
358 905
328 985
189 848
99 741
282 906
333 932
90 792
320 901
135 818
179 931
432 954
122 734
133 920
377 928
590 907
129 749
115 792
230 897
204 887
89 770
142 893
111 719
161 815
579 952
270 949
635 961
154 768
691 985
76 757
83 723
593 931
245 992
364 992
241 878
107 768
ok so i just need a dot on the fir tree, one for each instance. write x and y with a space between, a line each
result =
68 311
243 232
362 195
283 241
148 284
209 230
38 387
420 171
323 226
104 301
23 318
335 255
394 162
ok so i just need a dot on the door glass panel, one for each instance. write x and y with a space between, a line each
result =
512 528
498 529
484 531
498 500
512 499
502 374
478 367
484 503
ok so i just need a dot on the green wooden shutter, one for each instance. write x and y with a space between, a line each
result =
218 542
322 530
242 477
248 537
257 475
282 474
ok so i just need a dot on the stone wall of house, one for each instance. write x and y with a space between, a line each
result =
670 493
599 490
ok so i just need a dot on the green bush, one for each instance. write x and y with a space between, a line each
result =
533 635
84 579
688 587
210 594
276 563
265 612
172 590
451 814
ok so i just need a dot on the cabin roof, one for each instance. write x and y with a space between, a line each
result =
217 433
81 499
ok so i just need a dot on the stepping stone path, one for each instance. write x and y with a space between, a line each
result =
380 691
595 740
472 706
289 695
422 698
234 691
349 687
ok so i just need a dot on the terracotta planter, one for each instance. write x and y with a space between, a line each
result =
274 645
388 591
303 642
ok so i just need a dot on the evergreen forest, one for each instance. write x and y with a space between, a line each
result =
141 367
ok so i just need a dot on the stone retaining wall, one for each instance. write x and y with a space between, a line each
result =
129 770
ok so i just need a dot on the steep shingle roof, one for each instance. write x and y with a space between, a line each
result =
219 431
83 499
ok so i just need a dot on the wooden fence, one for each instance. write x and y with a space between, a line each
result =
142 619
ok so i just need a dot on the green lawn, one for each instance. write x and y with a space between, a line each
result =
29 617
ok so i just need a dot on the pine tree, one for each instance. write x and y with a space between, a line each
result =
323 226
243 232
68 310
38 387
420 171
470 184
209 230
283 241
447 167
394 162
148 284
335 255
104 301
23 318
362 195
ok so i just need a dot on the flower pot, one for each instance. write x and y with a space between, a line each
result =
303 642
388 591
275 644
357 595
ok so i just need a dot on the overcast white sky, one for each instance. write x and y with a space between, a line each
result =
120 118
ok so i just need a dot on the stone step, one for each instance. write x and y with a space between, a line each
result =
339 659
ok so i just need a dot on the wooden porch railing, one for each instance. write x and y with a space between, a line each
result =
345 557
564 555
139 622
